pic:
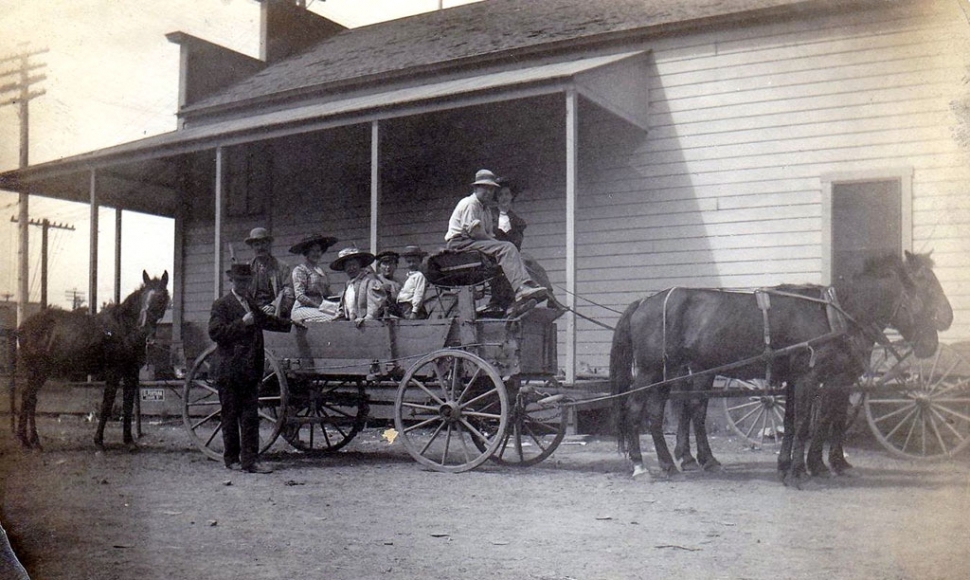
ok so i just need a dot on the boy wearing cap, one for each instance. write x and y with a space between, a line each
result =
363 297
236 325
410 300
387 262
470 228
272 285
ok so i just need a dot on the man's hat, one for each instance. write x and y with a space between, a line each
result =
258 234
388 255
313 239
485 177
366 258
413 251
240 271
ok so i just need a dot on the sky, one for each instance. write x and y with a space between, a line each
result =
112 77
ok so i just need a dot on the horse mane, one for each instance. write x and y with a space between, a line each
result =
129 307
922 260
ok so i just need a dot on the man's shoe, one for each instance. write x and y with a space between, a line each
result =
256 468
232 465
520 308
526 292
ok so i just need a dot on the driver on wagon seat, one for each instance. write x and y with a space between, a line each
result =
470 228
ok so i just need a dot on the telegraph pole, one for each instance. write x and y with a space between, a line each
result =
45 224
24 95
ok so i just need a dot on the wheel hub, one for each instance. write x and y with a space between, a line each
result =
450 412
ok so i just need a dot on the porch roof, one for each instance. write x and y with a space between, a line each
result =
139 175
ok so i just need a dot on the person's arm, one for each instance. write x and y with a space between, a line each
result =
223 328
420 287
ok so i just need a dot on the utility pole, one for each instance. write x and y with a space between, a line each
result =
45 224
24 95
76 297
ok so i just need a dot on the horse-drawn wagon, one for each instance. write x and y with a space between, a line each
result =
465 388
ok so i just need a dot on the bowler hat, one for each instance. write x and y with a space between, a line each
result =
388 255
310 240
366 258
258 234
413 251
485 177
240 271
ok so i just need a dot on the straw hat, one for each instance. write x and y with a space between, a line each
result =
485 177
366 258
257 234
310 240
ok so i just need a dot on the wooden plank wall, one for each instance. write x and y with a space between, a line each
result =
725 191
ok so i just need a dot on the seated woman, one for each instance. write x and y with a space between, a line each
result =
364 295
310 283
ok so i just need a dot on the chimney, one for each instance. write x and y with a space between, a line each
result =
287 27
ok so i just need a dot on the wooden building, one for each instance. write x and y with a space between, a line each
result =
658 142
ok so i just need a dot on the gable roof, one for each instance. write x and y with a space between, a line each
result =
466 34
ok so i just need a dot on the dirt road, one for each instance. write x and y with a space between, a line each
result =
168 513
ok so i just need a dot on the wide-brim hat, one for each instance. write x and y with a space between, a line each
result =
240 271
366 258
257 234
485 177
413 251
313 239
387 255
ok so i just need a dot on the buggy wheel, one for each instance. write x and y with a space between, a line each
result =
919 408
202 410
324 417
758 418
451 410
537 427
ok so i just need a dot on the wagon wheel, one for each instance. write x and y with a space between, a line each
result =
323 417
758 418
202 411
537 427
451 410
919 408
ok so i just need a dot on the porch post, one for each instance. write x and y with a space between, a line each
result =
375 183
572 103
93 255
117 255
217 241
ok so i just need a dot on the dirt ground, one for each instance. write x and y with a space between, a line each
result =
167 512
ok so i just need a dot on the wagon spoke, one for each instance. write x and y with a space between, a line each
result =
206 419
479 398
481 415
941 405
932 418
909 405
949 425
469 383
423 424
421 386
215 432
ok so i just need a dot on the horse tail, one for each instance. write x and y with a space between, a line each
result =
621 372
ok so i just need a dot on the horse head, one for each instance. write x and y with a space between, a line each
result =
935 303
153 299
914 310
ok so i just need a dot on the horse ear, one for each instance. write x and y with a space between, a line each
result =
165 278
144 277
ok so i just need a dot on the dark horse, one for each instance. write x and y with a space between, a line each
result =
683 331
111 344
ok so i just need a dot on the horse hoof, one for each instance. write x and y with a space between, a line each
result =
689 465
820 471
713 465
640 471
132 447
840 467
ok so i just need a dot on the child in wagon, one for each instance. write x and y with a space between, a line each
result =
410 300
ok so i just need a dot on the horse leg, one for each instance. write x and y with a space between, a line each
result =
656 402
698 414
838 417
630 431
107 402
819 425
803 393
682 448
788 437
128 393
27 425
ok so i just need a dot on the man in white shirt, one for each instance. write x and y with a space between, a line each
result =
470 228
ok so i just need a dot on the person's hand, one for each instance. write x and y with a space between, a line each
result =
268 309
249 319
411 315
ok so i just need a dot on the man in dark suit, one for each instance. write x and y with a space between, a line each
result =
236 325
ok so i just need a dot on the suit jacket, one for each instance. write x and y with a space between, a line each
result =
370 296
239 353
